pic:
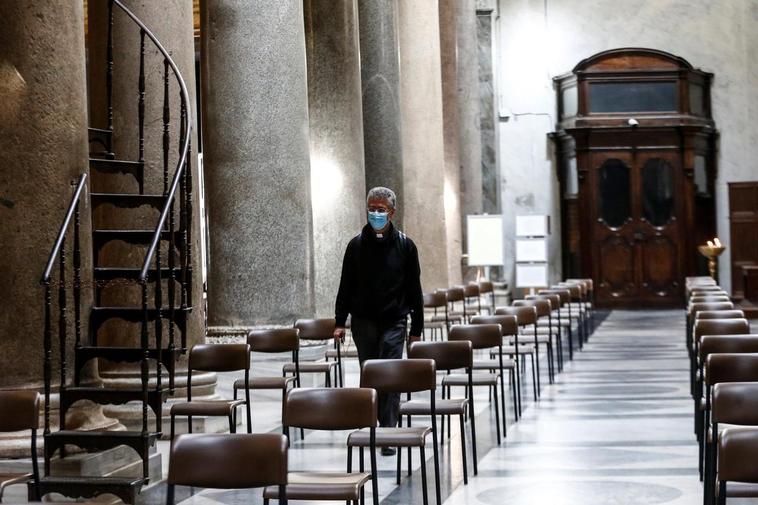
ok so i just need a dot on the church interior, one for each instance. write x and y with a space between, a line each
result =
179 181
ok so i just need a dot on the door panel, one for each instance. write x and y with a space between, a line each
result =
636 236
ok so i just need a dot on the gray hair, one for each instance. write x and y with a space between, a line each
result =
382 193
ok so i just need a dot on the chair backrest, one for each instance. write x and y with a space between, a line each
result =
574 289
435 300
228 460
720 327
455 294
471 290
553 300
399 375
576 282
274 340
731 367
330 408
316 329
219 357
450 355
543 307
719 314
481 336
563 294
710 344
693 308
486 287
710 298
706 289
735 403
508 323
525 315
737 447
19 410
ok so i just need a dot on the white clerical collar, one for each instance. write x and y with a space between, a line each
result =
379 235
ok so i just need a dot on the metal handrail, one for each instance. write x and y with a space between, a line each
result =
182 163
62 232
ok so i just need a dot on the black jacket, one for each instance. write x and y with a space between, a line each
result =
381 279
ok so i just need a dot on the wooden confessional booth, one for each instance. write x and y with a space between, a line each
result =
636 153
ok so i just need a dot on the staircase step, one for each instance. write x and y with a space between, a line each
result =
125 488
127 200
92 441
110 396
135 237
98 316
126 355
102 136
108 166
110 273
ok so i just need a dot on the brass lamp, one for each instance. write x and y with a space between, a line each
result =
712 250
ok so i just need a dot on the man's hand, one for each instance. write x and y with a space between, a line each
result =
339 334
413 338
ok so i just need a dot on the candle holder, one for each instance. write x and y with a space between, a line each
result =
712 252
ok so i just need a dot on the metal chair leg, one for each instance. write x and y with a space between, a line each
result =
463 449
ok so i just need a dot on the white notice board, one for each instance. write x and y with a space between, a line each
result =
531 249
532 226
531 276
484 240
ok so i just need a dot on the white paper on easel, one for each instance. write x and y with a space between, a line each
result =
484 240
531 249
531 276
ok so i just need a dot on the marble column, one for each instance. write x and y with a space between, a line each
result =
338 182
43 149
423 144
257 170
172 24
487 108
380 77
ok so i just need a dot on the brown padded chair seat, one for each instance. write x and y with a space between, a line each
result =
736 447
477 379
310 367
265 382
205 408
391 437
320 486
447 407
494 364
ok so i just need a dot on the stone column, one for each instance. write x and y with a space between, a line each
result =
423 145
380 76
172 24
487 108
255 135
338 180
43 148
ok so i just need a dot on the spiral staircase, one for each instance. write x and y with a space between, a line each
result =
164 280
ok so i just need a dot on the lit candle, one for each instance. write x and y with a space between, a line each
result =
710 244
717 242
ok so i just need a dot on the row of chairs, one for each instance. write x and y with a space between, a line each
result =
724 385
545 318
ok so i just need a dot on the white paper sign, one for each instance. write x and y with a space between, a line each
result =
484 240
531 276
531 249
532 226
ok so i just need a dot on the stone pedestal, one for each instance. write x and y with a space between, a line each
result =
380 78
255 136
423 145
43 148
338 183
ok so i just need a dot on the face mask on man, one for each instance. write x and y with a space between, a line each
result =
378 220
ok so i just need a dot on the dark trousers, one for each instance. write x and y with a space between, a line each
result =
381 340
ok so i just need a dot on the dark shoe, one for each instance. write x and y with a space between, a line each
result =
388 451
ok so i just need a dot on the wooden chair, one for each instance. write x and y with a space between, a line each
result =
321 330
19 410
215 358
329 409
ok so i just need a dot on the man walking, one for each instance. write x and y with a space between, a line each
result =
380 286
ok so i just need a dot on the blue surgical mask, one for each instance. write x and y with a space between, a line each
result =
378 220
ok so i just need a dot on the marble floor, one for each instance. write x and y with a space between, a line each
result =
615 428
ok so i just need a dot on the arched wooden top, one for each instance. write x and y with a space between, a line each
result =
631 58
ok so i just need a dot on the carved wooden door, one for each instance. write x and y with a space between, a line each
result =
636 229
